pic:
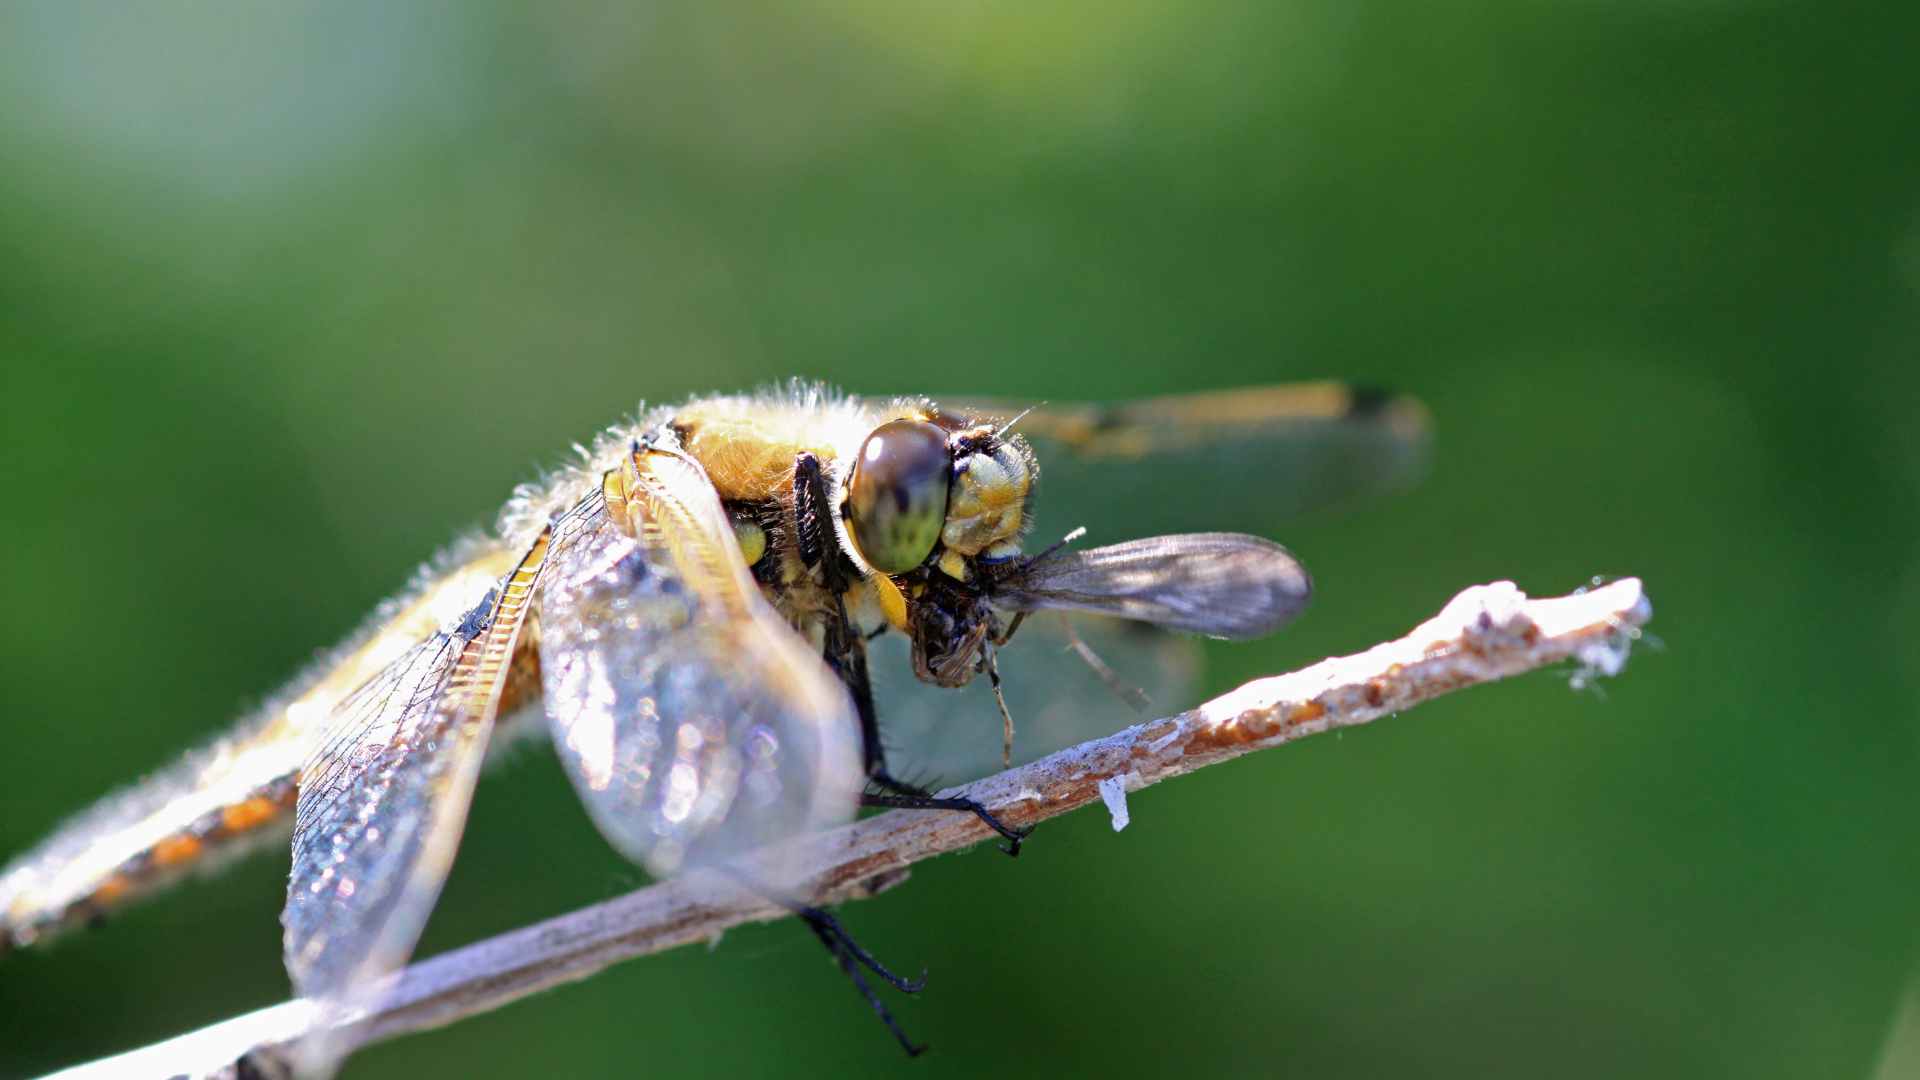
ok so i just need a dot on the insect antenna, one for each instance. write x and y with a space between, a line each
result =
1055 546
1001 431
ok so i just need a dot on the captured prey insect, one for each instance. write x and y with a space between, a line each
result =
691 608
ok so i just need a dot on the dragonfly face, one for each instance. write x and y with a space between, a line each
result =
921 516
691 608
935 507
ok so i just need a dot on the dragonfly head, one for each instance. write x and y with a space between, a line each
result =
987 500
936 505
932 489
933 503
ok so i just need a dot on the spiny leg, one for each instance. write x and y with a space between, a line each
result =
845 652
851 958
913 798
846 952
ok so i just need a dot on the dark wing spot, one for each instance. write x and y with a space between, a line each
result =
1368 400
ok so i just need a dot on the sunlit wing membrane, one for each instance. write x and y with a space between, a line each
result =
233 796
694 722
1251 457
1224 585
939 736
383 799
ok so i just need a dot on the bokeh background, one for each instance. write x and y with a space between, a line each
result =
291 293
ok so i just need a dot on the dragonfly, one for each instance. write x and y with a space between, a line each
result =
699 609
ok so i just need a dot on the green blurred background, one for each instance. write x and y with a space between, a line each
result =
291 293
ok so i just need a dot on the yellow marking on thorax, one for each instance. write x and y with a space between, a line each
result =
747 446
893 604
747 458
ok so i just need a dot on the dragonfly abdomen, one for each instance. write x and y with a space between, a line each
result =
233 797
85 890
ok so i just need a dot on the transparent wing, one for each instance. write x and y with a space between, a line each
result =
939 736
1232 459
383 798
694 722
372 775
1225 585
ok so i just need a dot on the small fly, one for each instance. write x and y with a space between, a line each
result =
692 608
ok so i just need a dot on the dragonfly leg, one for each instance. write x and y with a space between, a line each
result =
845 652
900 795
851 958
826 927
847 953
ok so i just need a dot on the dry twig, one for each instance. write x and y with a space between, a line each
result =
1486 633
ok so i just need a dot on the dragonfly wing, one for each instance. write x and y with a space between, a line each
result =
694 722
1250 457
383 799
1057 696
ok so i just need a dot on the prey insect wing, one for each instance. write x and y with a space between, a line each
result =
693 721
1225 585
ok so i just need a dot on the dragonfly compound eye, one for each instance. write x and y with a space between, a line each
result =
897 495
